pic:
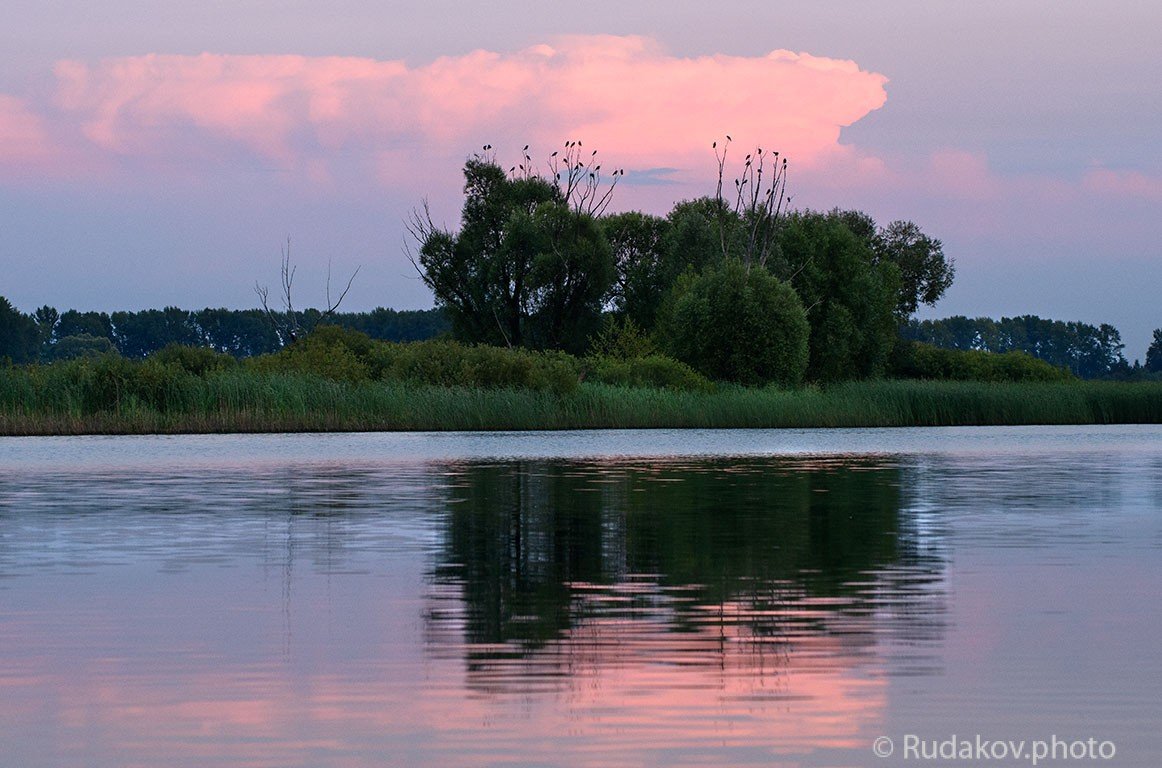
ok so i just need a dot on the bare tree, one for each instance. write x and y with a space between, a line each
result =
292 325
578 177
760 201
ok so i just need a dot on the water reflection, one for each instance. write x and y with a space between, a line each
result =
532 549
741 602
730 610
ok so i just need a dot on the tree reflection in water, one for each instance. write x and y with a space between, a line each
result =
757 566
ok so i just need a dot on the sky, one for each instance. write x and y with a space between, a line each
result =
159 153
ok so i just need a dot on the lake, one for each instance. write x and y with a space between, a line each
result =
758 597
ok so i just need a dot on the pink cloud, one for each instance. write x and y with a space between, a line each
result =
338 123
961 175
1132 184
24 141
270 106
643 106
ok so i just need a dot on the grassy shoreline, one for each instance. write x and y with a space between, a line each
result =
235 402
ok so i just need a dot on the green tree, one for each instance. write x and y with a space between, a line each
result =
74 323
1154 353
740 223
19 337
925 272
1087 351
849 298
956 332
651 253
702 232
241 333
640 244
739 324
138 334
396 325
529 266
482 274
571 275
46 318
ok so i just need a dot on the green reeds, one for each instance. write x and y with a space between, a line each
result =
86 399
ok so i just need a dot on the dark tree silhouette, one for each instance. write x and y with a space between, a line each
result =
1154 353
529 265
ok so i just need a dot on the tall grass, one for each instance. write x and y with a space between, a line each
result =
110 398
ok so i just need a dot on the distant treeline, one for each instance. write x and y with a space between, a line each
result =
1086 351
48 335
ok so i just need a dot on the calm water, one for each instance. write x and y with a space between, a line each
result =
588 598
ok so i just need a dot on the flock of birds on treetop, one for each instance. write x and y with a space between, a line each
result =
578 165
574 165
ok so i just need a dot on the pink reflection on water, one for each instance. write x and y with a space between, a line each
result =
608 691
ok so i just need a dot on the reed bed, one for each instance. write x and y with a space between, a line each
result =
52 400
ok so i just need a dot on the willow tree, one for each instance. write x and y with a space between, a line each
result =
529 265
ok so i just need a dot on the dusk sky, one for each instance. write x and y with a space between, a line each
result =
159 153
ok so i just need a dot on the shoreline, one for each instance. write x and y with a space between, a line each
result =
289 404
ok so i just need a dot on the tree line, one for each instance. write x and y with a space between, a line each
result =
735 285
1087 351
47 334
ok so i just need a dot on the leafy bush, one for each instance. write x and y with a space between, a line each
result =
331 336
330 352
109 382
81 345
449 363
651 371
196 360
738 324
341 354
916 360
622 339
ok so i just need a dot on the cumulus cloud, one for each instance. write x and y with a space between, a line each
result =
1123 183
643 106
23 139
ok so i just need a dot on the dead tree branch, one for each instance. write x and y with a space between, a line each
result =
287 322
760 202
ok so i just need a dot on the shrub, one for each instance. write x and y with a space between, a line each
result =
330 352
916 360
335 363
331 336
738 324
650 371
622 339
341 354
1021 366
196 360
449 363
81 345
